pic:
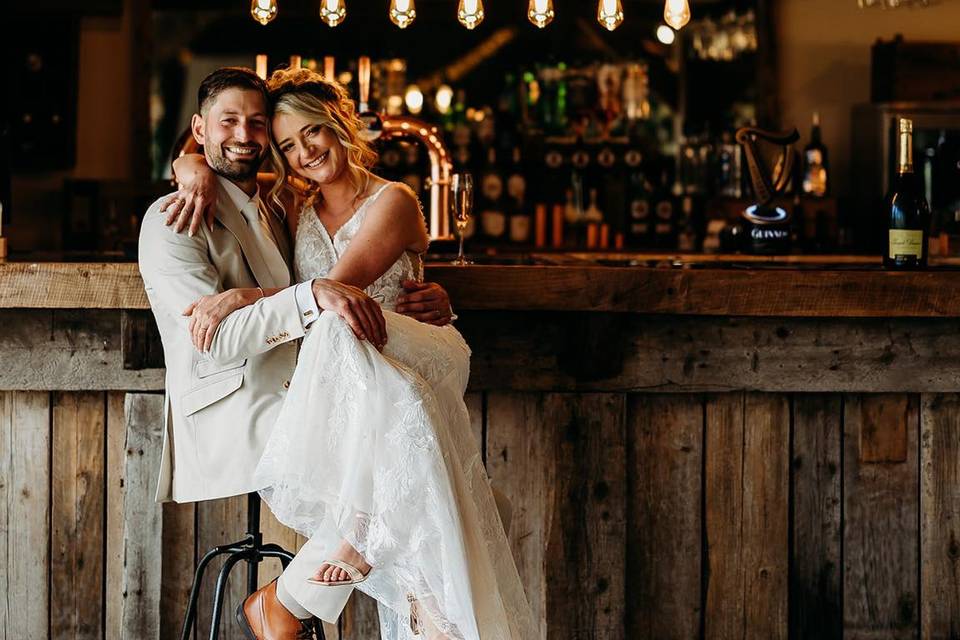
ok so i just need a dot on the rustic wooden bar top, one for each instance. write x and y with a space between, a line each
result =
790 286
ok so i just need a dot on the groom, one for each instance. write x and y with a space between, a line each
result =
221 405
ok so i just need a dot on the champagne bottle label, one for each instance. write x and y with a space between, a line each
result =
492 187
906 243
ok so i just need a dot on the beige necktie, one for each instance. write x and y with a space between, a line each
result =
260 229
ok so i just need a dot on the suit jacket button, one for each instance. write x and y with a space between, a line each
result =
286 384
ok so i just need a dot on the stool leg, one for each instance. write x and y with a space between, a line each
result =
276 551
191 613
228 564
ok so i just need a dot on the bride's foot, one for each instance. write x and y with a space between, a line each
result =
344 553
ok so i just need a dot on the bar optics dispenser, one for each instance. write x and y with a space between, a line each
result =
441 165
766 226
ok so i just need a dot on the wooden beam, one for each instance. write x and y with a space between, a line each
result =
881 541
24 514
708 291
142 539
940 516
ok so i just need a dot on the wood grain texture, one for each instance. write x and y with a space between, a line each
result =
66 285
77 561
940 516
143 537
708 291
561 460
359 619
50 350
219 522
815 597
519 462
881 536
883 429
747 487
663 533
24 514
179 551
116 524
520 351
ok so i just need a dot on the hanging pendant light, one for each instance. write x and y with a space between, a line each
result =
676 13
332 12
540 12
402 13
263 11
609 14
470 13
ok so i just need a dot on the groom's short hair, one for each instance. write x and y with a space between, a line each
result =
229 78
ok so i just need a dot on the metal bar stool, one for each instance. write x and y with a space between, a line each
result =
251 549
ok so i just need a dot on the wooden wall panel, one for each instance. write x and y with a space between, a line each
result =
221 522
940 516
815 596
142 539
561 460
24 514
77 562
880 503
359 619
747 464
664 502
179 553
116 497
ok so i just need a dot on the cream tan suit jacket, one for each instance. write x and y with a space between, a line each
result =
220 405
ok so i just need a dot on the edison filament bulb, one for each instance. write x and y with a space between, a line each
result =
470 13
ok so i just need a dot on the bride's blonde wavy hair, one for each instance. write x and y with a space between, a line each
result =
305 93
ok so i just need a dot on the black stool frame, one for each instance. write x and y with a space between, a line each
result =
251 549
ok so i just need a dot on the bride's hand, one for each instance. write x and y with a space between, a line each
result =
208 312
425 301
193 203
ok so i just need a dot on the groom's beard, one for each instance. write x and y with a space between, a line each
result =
238 169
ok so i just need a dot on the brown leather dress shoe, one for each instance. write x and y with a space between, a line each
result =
262 617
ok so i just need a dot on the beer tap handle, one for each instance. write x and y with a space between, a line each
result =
763 187
363 79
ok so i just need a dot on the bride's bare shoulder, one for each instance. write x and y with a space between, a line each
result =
398 209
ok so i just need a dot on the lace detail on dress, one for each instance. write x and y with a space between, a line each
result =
315 253
377 449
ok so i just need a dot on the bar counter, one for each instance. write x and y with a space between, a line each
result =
695 446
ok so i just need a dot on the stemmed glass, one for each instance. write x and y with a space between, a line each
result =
461 188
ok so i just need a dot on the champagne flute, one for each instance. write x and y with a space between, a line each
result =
462 190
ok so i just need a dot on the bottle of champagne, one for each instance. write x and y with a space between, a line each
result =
492 216
815 178
908 216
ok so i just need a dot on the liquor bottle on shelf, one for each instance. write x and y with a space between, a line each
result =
493 219
638 224
664 222
519 216
412 172
907 213
815 168
729 171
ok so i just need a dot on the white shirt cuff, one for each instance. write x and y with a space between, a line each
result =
306 303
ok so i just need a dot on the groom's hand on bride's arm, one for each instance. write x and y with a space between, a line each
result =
360 311
425 301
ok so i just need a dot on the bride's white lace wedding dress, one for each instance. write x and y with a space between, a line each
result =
377 449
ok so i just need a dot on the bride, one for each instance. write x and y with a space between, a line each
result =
372 457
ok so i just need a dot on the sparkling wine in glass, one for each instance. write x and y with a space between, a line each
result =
462 190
